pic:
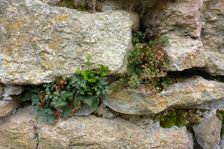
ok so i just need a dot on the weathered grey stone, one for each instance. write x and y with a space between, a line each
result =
85 110
8 106
39 42
222 144
208 132
182 26
170 138
11 90
189 92
49 137
175 17
213 36
92 132
105 112
51 2
17 131
184 53
20 132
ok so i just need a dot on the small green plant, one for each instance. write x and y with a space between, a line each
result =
147 62
187 117
64 97
167 81
89 83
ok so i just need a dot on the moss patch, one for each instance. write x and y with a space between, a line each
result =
180 117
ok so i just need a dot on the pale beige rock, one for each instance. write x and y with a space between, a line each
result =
49 137
182 26
92 132
51 2
213 36
208 132
11 90
17 131
7 107
39 43
173 138
189 92
175 16
184 53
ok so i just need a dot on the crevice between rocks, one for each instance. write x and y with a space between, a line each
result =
36 136
195 72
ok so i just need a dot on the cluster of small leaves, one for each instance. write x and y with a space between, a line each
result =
64 97
147 62
187 117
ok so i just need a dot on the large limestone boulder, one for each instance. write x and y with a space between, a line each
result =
18 131
39 42
87 132
213 36
208 132
188 92
175 16
182 26
184 53
196 34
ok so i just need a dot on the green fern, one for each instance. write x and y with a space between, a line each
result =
64 97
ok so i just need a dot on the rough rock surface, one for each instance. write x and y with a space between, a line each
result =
51 2
17 131
213 36
7 107
39 42
10 90
184 53
202 23
182 26
176 17
208 132
189 92
8 99
87 132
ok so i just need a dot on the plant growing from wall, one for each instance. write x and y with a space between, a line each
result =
64 97
147 62
180 118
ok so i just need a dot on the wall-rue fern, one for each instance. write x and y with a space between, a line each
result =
64 97
147 62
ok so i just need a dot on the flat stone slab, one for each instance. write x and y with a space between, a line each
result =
20 131
188 92
39 43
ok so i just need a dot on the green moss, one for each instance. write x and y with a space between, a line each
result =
187 117
67 3
220 115
73 5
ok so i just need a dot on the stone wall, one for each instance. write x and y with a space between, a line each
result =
40 41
